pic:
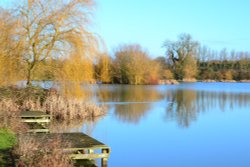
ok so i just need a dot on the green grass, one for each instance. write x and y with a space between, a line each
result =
7 139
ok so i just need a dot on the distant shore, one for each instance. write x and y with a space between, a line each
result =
175 82
230 81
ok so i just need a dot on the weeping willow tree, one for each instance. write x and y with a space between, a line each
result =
104 68
48 39
74 72
56 29
10 64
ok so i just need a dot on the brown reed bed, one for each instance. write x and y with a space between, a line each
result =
63 108
32 153
9 116
14 100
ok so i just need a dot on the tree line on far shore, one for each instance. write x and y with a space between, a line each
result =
185 60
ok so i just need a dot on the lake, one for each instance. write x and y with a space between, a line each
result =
186 125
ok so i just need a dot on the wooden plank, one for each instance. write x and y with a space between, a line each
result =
89 156
92 147
36 120
36 125
78 140
38 130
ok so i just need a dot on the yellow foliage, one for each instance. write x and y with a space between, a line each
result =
190 68
228 75
10 67
134 66
75 71
53 29
153 71
167 74
104 66
8 71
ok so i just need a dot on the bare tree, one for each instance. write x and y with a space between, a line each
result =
52 29
179 53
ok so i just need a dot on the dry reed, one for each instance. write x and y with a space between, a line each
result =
59 107
68 109
9 116
33 153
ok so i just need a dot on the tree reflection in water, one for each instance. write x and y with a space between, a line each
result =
132 113
87 126
128 93
131 102
186 105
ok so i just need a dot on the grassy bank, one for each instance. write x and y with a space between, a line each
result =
7 141
7 138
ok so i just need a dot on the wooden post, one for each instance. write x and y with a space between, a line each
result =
104 160
91 151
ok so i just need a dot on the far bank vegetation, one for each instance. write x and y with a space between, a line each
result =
185 60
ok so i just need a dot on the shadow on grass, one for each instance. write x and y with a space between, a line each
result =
6 158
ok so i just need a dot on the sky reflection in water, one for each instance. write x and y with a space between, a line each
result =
198 124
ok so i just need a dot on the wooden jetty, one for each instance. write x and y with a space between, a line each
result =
35 117
81 147
37 120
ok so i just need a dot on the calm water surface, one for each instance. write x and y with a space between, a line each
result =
188 125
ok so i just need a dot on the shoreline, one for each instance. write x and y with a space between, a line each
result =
54 89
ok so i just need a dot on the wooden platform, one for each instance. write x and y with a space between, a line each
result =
37 118
82 145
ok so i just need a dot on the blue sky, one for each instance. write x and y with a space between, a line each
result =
216 23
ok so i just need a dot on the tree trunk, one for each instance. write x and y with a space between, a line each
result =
28 83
